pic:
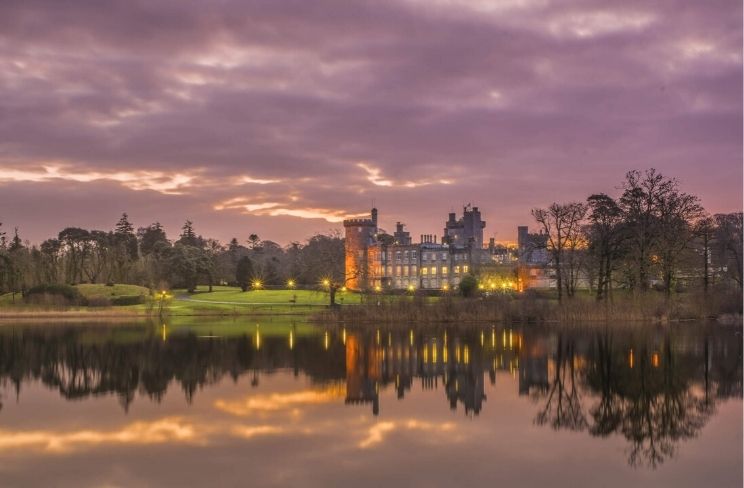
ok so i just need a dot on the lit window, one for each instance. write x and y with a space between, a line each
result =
465 269
413 270
397 270
444 270
457 269
424 271
405 270
433 270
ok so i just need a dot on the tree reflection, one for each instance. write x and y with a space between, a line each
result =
84 362
646 389
563 408
654 387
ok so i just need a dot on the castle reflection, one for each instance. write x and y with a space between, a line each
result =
655 387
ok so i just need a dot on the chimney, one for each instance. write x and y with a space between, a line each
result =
374 216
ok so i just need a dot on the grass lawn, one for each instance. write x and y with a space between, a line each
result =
299 297
229 300
91 291
223 300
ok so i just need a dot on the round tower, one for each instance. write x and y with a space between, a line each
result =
359 236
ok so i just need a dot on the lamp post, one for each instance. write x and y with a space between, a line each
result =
162 296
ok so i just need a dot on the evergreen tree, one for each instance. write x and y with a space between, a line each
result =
244 273
188 236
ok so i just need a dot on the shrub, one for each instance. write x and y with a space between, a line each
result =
468 285
99 301
54 294
128 300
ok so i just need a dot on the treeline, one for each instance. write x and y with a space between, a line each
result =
653 235
147 257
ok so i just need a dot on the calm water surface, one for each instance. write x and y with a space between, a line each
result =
280 403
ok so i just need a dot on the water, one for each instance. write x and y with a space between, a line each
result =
278 403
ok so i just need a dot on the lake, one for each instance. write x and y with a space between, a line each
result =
279 403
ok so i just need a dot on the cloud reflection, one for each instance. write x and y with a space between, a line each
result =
166 430
280 401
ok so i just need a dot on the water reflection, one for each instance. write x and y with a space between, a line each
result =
653 387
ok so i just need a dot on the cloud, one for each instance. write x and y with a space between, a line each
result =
421 106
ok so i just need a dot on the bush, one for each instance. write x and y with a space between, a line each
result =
468 285
54 294
128 300
99 302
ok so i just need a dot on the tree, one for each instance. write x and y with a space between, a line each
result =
188 236
124 247
186 264
468 285
150 236
254 242
244 273
562 224
705 230
729 239
76 244
639 202
606 236
677 211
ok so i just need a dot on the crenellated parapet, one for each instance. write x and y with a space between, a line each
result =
359 223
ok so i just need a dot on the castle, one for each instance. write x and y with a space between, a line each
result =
376 260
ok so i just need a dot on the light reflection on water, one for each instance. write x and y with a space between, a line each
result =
281 403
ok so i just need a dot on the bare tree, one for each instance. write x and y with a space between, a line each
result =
677 213
562 224
729 238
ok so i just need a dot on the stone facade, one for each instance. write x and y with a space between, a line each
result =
375 260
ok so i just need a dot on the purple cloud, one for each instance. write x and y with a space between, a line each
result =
281 117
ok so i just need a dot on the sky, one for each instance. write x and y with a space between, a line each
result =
281 118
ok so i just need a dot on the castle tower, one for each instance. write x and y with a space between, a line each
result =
360 235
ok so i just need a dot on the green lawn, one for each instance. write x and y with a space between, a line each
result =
223 300
91 291
299 297
229 300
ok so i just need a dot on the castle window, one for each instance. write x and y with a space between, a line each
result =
405 270
397 270
465 269
413 255
444 256
424 271
389 270
457 269
444 270
433 270
413 269
397 256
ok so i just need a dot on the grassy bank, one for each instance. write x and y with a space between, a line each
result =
221 301
535 309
